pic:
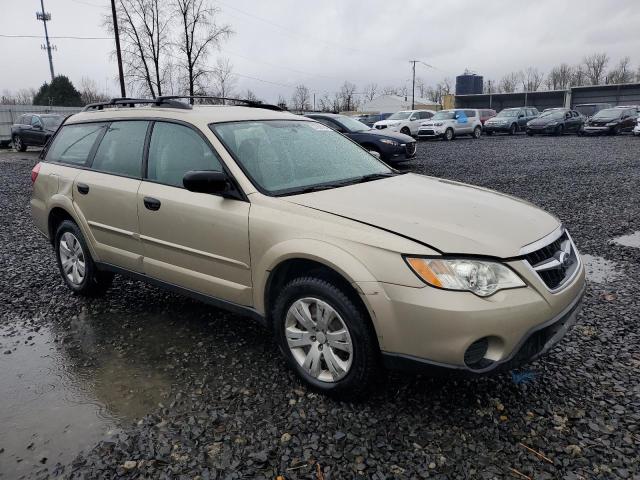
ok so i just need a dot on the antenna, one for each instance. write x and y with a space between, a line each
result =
45 17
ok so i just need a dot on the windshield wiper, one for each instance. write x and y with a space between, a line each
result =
374 176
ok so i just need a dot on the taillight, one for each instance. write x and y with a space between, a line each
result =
34 172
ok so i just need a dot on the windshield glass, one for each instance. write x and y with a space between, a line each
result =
586 110
555 114
51 122
289 156
399 116
508 113
444 115
352 124
608 113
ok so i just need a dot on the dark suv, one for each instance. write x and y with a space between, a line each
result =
511 120
34 130
392 147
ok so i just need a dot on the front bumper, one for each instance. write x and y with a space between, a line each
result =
401 153
431 132
423 328
541 128
589 130
490 128
636 131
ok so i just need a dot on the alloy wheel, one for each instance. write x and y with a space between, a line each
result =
72 258
17 143
319 339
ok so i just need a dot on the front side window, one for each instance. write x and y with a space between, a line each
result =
352 125
175 150
400 116
35 121
26 120
121 149
74 143
444 115
508 113
290 156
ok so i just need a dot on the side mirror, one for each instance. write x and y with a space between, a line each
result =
206 181
37 126
521 115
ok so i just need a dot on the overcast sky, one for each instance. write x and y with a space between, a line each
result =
323 43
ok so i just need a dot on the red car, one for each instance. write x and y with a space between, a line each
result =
486 114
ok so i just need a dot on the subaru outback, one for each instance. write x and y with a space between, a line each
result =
351 264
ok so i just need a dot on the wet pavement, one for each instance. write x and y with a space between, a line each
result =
631 240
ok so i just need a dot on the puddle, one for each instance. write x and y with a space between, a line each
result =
631 240
63 391
600 270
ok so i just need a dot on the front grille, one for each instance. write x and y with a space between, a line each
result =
426 132
410 148
556 262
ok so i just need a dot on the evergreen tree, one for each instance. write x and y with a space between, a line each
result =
59 92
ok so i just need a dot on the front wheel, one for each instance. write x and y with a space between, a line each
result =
76 266
406 131
448 135
617 130
477 132
326 337
559 130
513 129
530 133
18 144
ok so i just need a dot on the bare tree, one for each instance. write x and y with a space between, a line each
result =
594 67
622 73
389 90
144 33
89 92
531 79
489 86
371 91
347 95
300 100
250 96
446 87
579 76
223 80
24 96
282 102
403 91
559 77
199 33
325 104
509 83
421 87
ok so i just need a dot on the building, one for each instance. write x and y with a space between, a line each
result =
469 84
395 103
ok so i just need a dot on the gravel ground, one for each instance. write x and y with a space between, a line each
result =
232 409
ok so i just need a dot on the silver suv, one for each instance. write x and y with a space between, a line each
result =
448 124
351 264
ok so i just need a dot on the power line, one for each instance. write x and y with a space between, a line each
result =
68 37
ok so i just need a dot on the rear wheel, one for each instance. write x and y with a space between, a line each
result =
448 135
617 130
513 129
326 337
477 132
559 130
18 144
76 266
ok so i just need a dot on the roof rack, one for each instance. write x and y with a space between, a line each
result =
172 101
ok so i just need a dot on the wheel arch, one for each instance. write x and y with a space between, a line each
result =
60 209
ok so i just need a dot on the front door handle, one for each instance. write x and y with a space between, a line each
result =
152 203
83 188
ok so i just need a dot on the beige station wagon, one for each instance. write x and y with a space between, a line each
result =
352 264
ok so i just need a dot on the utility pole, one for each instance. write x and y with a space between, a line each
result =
123 93
45 17
413 84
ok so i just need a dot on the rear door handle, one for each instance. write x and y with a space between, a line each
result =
152 203
83 188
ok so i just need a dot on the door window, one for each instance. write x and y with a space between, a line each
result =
35 121
121 148
74 143
176 150
425 115
470 113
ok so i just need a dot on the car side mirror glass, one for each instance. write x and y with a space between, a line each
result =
206 181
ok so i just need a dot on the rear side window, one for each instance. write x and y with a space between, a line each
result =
470 113
74 143
121 148
35 121
174 150
425 115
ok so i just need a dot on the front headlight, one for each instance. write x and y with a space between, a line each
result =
612 124
552 124
389 142
480 277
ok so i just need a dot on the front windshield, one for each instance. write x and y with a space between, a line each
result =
399 116
586 110
608 113
51 122
555 114
507 113
352 124
289 156
444 115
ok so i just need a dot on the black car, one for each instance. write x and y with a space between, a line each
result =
556 122
390 146
369 120
34 130
611 121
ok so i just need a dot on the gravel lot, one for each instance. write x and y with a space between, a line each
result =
147 384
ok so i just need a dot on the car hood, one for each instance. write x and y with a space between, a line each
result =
388 122
400 137
545 120
451 217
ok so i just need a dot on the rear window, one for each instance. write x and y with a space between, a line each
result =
74 143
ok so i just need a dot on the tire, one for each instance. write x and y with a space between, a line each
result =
71 249
18 144
617 130
513 129
405 130
529 133
353 372
559 131
477 133
448 135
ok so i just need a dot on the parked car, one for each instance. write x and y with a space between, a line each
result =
448 124
636 130
351 264
34 130
635 108
370 120
511 120
392 147
588 110
611 121
486 114
405 121
556 122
